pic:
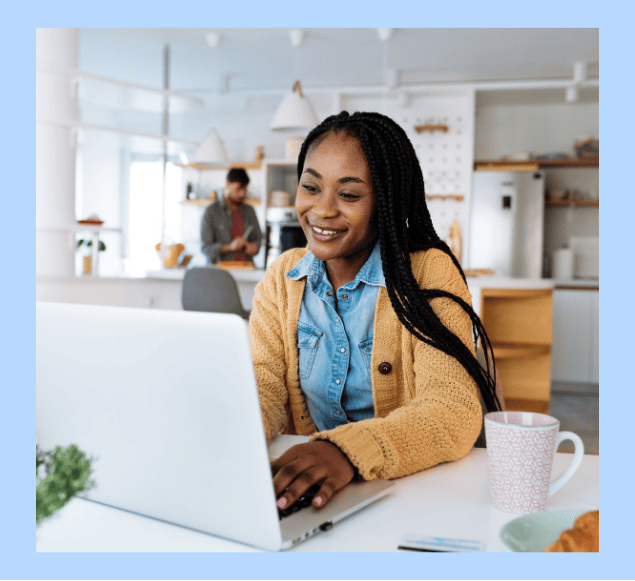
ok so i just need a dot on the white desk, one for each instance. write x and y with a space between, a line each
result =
449 500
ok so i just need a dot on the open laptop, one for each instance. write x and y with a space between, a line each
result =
166 403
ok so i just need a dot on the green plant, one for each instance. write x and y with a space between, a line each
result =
89 243
60 474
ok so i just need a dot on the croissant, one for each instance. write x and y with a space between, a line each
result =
584 537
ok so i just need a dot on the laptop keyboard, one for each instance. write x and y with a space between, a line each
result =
302 502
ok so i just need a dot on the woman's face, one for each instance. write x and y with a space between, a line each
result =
335 201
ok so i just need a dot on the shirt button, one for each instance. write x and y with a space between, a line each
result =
344 296
343 350
385 368
338 381
329 294
337 411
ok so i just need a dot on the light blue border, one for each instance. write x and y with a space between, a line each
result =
18 559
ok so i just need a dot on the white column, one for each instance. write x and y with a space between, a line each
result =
56 109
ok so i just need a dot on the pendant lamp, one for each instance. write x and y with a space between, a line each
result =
211 151
295 112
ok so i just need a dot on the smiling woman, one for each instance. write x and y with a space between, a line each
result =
364 341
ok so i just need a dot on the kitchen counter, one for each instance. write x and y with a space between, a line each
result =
160 289
253 275
508 282
576 283
475 284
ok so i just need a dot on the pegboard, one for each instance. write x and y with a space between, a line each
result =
446 158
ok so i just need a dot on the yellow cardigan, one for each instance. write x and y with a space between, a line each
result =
427 407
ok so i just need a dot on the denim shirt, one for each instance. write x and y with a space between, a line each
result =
335 343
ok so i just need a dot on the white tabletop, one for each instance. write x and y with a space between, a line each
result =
450 500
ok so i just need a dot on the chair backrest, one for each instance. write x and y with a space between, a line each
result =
213 290
480 356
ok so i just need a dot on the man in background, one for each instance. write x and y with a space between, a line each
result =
229 229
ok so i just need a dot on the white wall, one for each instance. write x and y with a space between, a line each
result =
537 122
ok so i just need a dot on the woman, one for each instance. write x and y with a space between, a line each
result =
365 340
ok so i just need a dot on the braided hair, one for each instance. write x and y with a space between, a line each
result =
404 226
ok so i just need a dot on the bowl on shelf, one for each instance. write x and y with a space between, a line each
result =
557 195
279 199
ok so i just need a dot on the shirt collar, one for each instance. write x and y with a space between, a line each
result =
226 207
371 273
308 266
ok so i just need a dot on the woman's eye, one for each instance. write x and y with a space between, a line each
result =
348 196
309 188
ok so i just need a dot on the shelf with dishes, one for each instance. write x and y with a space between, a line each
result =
583 203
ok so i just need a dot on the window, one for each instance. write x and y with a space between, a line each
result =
148 217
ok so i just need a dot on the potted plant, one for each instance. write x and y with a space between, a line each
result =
88 259
60 474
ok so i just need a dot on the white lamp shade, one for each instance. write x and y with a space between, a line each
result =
211 151
295 112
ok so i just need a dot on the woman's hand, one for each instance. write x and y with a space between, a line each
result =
304 465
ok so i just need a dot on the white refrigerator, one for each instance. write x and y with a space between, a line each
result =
506 223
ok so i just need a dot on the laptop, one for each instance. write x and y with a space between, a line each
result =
166 403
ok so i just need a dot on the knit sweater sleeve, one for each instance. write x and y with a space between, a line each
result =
267 340
438 417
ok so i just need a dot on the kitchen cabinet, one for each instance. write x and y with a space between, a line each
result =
279 176
518 322
576 335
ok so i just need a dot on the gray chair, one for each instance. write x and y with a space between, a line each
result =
213 290
480 356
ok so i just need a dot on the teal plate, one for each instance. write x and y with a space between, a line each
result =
533 532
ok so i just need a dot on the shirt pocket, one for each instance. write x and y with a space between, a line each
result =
308 341
366 349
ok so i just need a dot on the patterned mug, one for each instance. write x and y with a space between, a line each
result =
520 451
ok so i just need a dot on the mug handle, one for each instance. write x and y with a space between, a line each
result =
575 463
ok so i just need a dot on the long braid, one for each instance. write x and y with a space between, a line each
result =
405 226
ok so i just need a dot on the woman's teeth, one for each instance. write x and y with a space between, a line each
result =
323 232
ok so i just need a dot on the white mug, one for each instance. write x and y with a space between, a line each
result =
520 451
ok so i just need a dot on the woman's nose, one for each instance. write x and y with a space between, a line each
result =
325 207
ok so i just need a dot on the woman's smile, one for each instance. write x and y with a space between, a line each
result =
325 234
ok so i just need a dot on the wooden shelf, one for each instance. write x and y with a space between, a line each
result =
431 128
518 350
250 201
208 166
457 197
534 164
572 203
